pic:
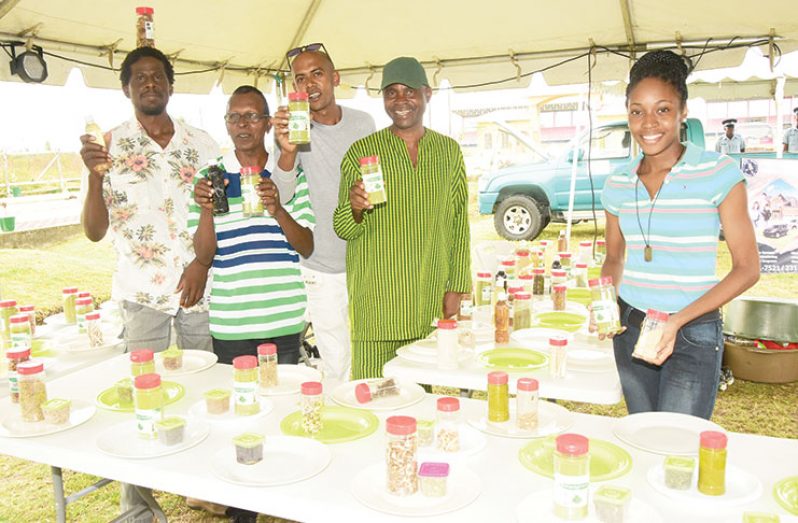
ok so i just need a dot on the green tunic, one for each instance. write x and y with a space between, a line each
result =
409 251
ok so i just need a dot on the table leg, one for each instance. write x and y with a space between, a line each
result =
466 393
146 495
58 491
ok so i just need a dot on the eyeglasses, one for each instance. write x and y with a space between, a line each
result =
234 118
296 51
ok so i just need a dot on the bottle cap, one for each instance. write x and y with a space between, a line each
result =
601 242
362 393
267 349
19 318
70 290
249 170
558 341
523 253
544 243
27 308
526 276
586 244
15 354
84 301
527 384
400 425
429 469
448 404
594 282
484 275
558 273
11 303
508 263
29 367
141 356
297 97
657 315
606 280
572 444
710 439
367 160
497 378
311 388
581 266
523 296
144 10
93 316
447 324
245 362
147 381
565 255
559 288
539 271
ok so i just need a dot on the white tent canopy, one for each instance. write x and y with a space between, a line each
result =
472 43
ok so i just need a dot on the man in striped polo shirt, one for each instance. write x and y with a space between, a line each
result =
257 294
408 259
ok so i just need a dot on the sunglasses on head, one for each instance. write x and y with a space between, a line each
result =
296 51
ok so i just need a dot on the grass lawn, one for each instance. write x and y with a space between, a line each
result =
36 275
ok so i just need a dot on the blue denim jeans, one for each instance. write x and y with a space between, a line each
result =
687 382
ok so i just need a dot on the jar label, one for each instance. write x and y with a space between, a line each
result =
20 341
298 121
13 382
149 30
373 182
244 392
486 295
250 200
604 311
466 307
145 422
571 492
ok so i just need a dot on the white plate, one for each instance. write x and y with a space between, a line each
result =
78 343
552 419
538 337
667 433
741 488
411 354
198 410
290 378
539 508
14 427
590 360
193 361
409 394
58 321
548 305
368 487
471 442
286 459
122 440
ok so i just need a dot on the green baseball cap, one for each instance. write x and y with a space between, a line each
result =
404 70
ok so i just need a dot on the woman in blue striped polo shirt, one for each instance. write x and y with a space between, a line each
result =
664 211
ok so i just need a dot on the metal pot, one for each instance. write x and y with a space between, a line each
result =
762 318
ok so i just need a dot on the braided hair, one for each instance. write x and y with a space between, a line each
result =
664 65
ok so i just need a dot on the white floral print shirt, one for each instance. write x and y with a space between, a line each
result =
147 193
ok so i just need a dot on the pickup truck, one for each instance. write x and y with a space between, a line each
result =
525 198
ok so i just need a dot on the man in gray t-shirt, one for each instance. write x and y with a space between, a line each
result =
333 130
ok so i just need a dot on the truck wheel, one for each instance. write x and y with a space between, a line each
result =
519 218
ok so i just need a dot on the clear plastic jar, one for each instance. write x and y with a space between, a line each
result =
523 261
522 311
400 454
482 296
508 266
373 180
30 310
298 118
571 477
8 308
447 423
94 330
548 253
447 344
21 336
466 312
145 27
83 306
585 254
650 333
426 432
32 390
557 355
245 385
562 242
311 403
70 295
712 463
432 478
14 358
141 362
251 204
565 261
558 277
502 319
526 281
526 404
558 299
579 274
538 284
147 404
604 305
498 397
376 389
601 251
267 365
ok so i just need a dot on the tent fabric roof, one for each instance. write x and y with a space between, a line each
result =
471 43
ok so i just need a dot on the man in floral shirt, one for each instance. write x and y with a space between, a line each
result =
144 198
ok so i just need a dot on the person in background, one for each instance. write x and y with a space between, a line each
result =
730 142
791 136
664 211
333 130
408 260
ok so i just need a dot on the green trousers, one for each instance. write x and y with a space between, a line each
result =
368 357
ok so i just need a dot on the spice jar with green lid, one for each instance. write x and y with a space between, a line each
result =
249 448
571 477
141 362
147 404
245 384
70 294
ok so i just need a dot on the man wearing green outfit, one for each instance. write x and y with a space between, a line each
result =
408 259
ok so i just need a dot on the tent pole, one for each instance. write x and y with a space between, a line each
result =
574 166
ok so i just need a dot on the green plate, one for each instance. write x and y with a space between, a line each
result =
594 273
786 494
607 460
579 295
41 349
108 400
339 424
567 321
513 358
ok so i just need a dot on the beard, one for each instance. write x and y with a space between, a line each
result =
153 110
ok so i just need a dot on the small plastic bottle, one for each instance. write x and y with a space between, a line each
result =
565 261
267 365
498 397
547 252
601 251
650 333
15 357
216 175
526 280
502 319
557 355
21 336
447 425
522 311
83 306
141 362
8 308
579 274
604 305
94 130
558 277
30 310
245 384
712 463
539 284
373 179
571 477
558 299
585 252
482 296
375 389
145 27
526 404
69 294
509 268
523 261
251 204
401 462
447 344
562 242
311 403
32 390
298 118
94 330
147 404
466 311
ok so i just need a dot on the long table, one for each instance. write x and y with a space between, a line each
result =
327 497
